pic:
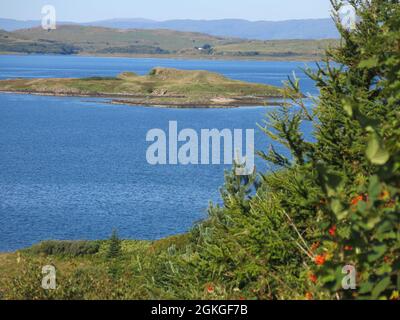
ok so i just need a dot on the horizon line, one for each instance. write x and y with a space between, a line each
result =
177 19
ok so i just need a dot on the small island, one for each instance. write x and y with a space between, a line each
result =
163 87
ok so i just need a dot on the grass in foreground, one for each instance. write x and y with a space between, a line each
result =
86 270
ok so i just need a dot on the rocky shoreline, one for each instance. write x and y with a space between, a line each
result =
173 102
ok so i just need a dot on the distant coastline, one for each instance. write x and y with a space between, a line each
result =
161 43
180 57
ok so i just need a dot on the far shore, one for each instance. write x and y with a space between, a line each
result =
264 58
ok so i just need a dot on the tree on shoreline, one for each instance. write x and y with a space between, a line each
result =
333 206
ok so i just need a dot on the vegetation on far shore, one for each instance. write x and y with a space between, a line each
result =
162 86
293 233
68 40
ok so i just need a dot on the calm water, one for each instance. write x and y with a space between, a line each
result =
75 168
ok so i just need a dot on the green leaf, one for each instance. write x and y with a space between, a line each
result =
380 287
375 153
378 251
338 209
348 108
369 63
332 181
384 269
366 287
374 188
372 222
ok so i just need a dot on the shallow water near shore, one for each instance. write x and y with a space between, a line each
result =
75 168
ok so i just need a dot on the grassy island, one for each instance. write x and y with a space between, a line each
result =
161 87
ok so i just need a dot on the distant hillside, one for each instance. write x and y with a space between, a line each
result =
259 30
76 39
107 40
12 43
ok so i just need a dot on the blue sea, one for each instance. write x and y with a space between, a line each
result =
75 168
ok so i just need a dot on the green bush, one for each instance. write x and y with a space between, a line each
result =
66 248
334 202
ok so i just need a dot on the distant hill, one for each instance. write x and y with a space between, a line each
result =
13 43
77 39
12 25
107 40
257 30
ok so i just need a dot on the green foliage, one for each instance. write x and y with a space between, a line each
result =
333 203
39 47
354 164
66 248
134 49
363 202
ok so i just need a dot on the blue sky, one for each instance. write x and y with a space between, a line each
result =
90 10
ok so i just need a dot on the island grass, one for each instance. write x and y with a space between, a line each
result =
183 87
